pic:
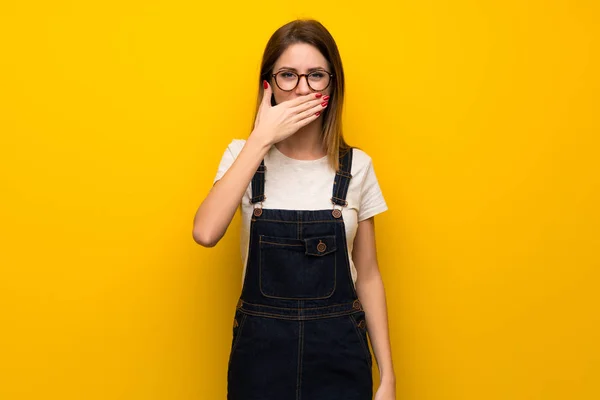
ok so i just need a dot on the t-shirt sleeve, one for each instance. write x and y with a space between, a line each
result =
371 198
229 156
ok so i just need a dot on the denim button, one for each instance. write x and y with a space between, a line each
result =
257 212
336 213
356 305
321 247
239 304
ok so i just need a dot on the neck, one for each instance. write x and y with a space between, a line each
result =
305 144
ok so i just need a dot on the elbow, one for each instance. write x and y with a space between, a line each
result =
204 239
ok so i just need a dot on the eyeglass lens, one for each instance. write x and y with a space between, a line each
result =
287 80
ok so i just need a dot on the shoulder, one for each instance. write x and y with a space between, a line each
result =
371 197
229 155
235 146
361 162
232 151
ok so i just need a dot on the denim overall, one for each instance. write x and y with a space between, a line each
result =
299 330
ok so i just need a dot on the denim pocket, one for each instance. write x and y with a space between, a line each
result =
360 326
297 268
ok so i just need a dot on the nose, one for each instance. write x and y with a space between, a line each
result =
303 88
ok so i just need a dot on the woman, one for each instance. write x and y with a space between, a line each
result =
308 200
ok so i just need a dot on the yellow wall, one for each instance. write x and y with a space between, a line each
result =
482 120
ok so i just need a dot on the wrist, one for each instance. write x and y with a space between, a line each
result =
257 140
387 379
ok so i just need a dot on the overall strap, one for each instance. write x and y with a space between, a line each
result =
258 184
342 182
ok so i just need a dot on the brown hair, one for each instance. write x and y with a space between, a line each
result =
314 33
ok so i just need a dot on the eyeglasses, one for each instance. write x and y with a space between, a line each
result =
316 80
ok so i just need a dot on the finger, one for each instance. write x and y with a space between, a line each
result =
308 118
308 105
316 108
302 99
266 100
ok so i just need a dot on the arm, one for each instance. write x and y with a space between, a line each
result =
273 124
370 290
218 208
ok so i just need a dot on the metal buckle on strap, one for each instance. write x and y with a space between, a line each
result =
337 212
258 210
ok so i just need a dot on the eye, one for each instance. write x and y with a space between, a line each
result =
317 76
287 75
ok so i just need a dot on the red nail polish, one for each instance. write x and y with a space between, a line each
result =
265 85
324 104
318 113
326 98
317 95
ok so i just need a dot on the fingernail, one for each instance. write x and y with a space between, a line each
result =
326 98
265 85
324 104
318 113
317 95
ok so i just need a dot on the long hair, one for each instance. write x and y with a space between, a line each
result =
314 33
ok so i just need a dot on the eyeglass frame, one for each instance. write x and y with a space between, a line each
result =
305 77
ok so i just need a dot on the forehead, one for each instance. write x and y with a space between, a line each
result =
301 56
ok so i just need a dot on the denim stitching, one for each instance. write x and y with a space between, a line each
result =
295 222
300 354
250 253
261 181
351 281
258 184
342 199
337 180
281 244
260 267
345 189
238 335
346 174
367 353
310 308
297 317
338 184
299 314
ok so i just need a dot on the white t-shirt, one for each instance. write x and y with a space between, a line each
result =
292 184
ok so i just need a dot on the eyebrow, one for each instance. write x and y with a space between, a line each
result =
309 70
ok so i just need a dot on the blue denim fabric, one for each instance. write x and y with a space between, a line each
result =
299 329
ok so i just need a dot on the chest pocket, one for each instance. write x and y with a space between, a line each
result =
297 268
